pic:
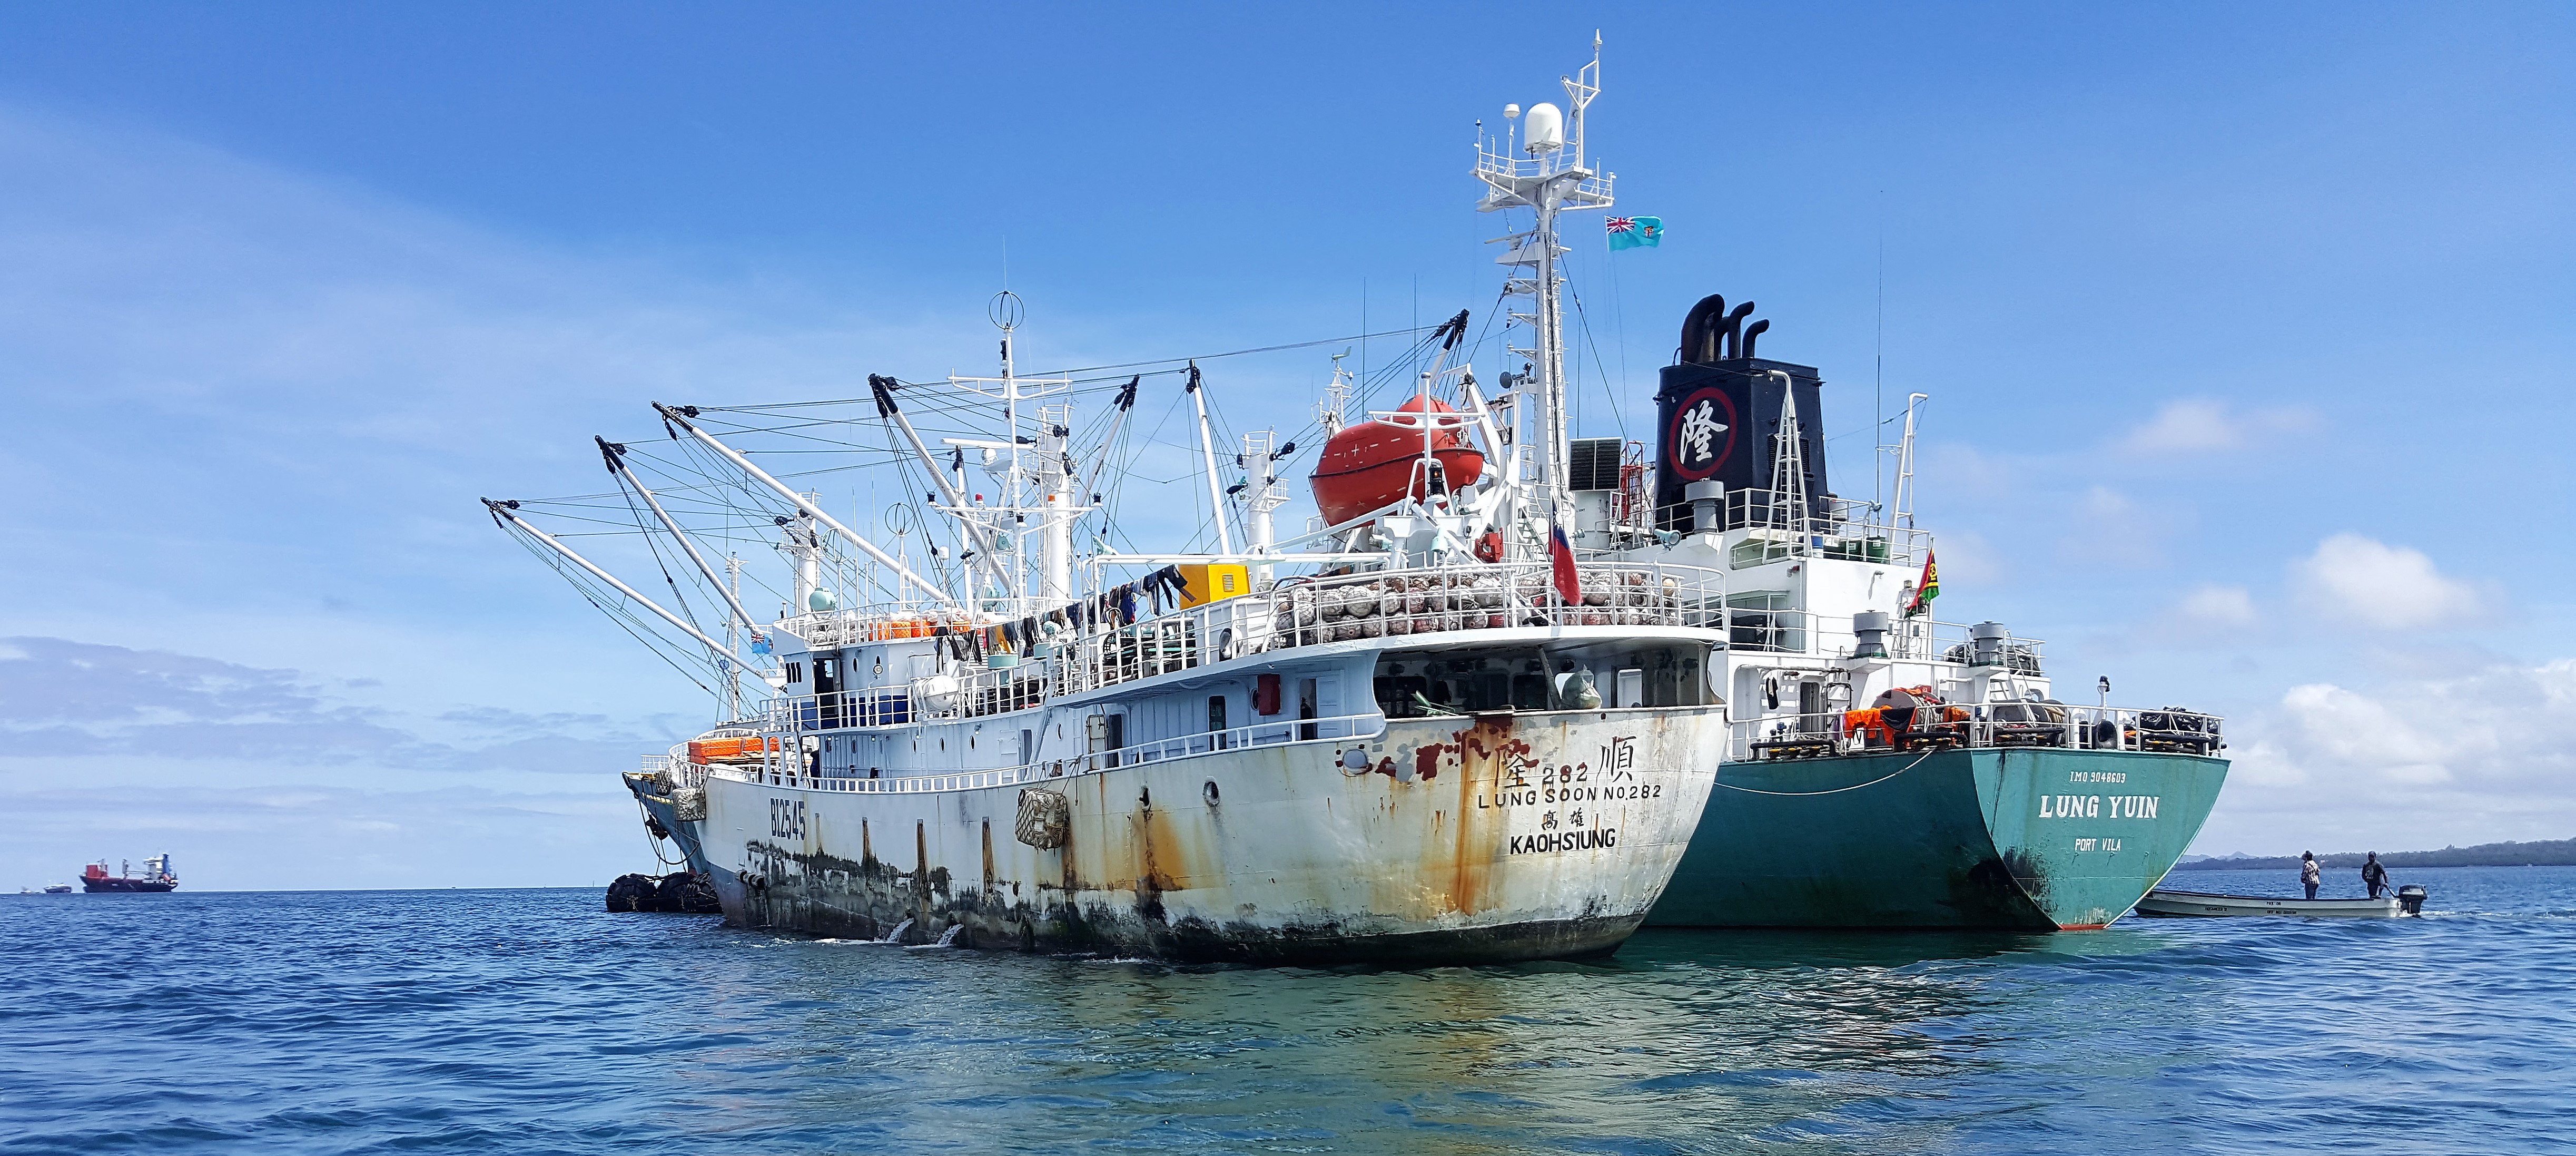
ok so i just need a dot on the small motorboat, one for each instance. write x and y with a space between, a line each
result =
2163 904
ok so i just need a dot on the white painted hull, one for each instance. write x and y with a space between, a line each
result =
1460 843
2161 904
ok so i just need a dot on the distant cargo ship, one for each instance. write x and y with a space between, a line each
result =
156 876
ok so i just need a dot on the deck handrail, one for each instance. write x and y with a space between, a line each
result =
2069 726
791 771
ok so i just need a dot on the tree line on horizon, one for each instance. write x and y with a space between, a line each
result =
2543 853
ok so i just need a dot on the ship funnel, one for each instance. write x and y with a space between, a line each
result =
1546 129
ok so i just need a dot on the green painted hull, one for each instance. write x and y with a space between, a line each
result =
2035 839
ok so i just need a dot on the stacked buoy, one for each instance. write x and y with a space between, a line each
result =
684 892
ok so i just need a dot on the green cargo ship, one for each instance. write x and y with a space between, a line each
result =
1886 769
2004 837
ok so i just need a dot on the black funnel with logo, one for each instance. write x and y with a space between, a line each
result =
1718 420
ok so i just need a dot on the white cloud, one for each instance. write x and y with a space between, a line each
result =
2207 425
71 701
2475 756
2216 605
2110 530
2389 587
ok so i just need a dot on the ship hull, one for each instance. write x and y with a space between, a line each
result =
1460 840
99 885
2028 839
664 811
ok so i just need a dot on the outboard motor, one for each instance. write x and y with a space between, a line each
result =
2411 897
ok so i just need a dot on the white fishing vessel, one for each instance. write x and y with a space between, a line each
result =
1422 730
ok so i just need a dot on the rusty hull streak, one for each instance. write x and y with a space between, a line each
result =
1421 872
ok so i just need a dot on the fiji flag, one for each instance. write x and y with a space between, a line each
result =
1632 232
759 643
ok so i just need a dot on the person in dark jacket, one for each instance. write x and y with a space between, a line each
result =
2374 876
2310 873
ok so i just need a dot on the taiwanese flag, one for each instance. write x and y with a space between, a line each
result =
1560 557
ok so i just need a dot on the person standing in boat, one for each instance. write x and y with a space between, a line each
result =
2309 873
2374 875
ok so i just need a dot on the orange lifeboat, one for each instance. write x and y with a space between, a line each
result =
1369 465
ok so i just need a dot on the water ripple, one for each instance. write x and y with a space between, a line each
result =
532 1021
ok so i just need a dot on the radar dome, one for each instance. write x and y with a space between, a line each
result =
822 600
1546 129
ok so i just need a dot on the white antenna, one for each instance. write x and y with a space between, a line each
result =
1789 466
1904 504
733 591
1337 397
1261 498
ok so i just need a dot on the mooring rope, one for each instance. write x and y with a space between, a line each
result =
1918 761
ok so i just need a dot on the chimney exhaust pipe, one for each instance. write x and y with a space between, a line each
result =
1699 335
1735 329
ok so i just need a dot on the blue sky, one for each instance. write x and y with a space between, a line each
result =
2246 330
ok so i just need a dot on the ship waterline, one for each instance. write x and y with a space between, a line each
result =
1497 837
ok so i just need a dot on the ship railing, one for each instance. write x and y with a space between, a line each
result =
1921 639
1394 604
1297 612
972 693
879 622
799 773
1506 166
1834 528
1942 726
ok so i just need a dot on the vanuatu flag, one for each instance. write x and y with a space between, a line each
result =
1633 232
1927 589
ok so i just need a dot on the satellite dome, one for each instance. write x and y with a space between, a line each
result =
822 600
1546 129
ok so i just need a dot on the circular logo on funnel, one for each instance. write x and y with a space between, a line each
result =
1702 433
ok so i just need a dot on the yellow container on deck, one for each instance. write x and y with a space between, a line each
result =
1214 582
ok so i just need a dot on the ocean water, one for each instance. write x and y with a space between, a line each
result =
534 1021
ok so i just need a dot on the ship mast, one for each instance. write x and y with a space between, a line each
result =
1036 482
1261 453
1546 173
